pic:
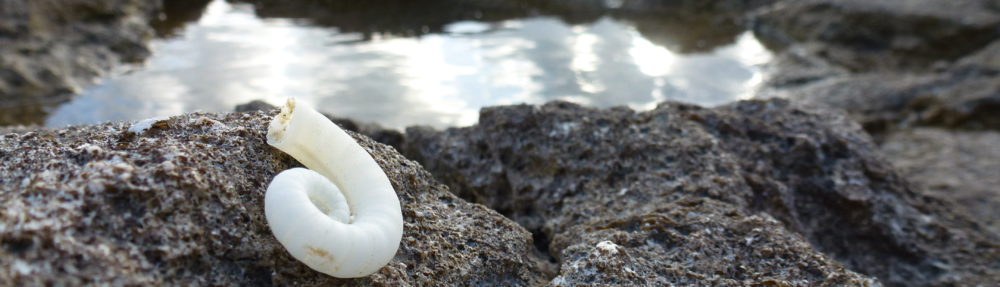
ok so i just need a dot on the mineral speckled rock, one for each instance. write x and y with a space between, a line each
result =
181 203
558 166
695 242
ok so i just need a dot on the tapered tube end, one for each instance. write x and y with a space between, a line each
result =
276 130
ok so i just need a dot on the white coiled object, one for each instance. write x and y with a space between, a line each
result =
340 216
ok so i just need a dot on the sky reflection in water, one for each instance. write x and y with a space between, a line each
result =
229 57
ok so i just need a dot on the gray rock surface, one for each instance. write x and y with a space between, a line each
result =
934 108
883 34
958 165
883 102
694 242
986 59
51 48
182 204
561 166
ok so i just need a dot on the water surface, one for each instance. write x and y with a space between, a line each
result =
437 74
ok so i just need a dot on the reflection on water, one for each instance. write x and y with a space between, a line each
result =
230 56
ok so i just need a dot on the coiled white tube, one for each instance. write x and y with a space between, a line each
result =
341 216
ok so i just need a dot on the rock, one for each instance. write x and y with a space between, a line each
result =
255 105
883 34
49 49
798 65
987 59
695 242
883 102
560 167
957 165
181 203
878 101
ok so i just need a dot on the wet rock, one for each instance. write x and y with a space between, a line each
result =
49 49
883 34
956 165
561 166
181 203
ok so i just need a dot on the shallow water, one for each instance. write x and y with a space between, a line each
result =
439 76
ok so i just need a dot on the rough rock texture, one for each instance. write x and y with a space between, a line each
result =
182 204
51 48
694 242
941 127
559 166
959 165
890 64
923 77
883 34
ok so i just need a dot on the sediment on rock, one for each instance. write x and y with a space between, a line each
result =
181 203
561 165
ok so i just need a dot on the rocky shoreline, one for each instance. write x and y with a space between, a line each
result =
912 76
868 160
756 192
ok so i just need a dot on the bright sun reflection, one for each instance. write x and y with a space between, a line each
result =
230 56
430 77
751 53
653 60
584 62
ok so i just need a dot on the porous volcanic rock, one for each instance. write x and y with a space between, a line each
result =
560 166
695 242
181 203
